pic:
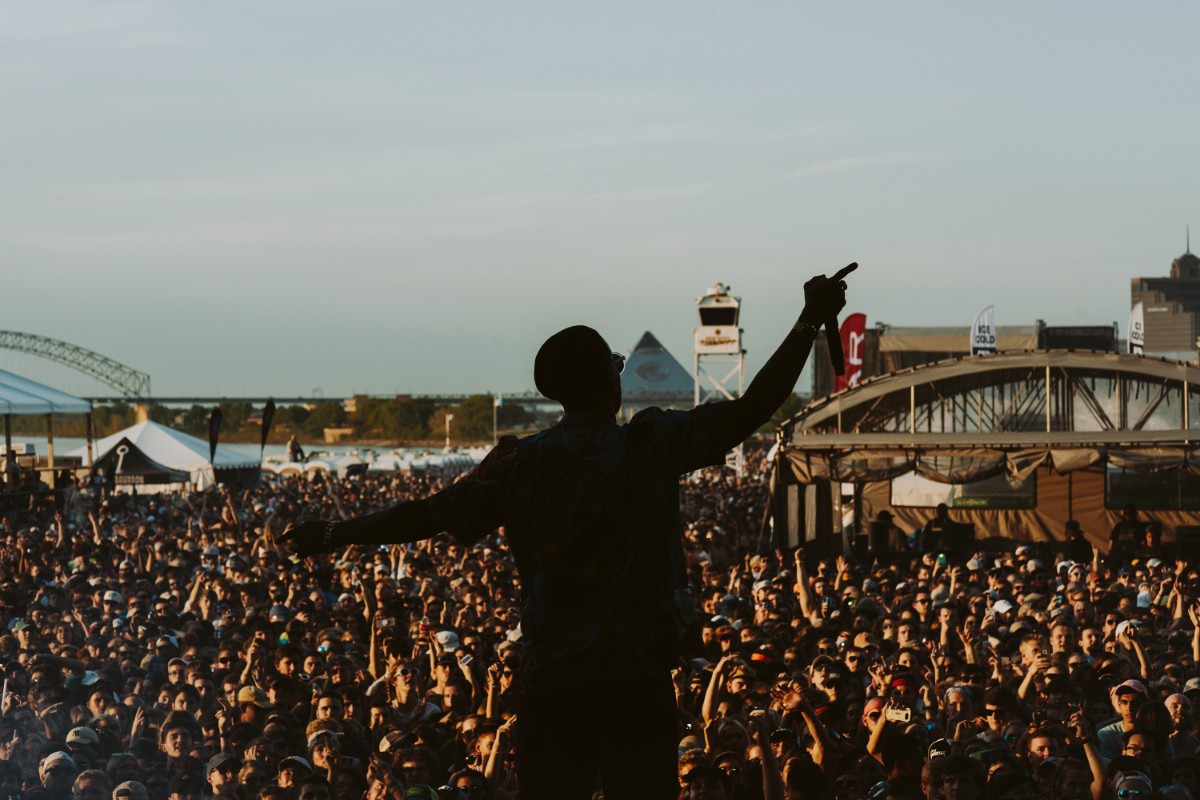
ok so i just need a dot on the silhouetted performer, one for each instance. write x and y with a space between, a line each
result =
1125 536
935 535
591 510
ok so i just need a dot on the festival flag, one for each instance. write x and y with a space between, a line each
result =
853 334
983 333
1137 330
268 418
214 432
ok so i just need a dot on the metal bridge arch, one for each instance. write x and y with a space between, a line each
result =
126 380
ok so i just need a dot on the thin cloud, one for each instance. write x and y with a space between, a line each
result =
856 162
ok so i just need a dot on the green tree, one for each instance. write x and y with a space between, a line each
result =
329 414
195 420
406 419
473 418
234 415
365 414
437 423
513 417
290 417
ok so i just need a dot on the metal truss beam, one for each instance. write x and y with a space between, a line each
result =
130 382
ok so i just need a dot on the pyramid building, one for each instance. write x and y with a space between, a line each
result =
653 377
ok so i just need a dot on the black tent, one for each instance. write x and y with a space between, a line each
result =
129 466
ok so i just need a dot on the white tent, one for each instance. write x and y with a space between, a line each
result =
181 451
22 396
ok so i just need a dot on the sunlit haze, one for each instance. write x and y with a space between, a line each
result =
383 197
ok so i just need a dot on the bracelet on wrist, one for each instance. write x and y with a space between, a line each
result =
805 329
327 539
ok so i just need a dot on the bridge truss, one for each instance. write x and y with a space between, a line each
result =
126 380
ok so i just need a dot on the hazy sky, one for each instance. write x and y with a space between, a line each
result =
275 197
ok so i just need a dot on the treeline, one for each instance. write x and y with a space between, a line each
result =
398 419
401 419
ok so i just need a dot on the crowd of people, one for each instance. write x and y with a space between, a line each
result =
168 647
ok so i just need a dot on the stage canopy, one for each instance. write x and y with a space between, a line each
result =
181 452
24 396
1131 424
129 466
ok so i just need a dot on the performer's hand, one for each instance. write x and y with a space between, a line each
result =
825 297
307 539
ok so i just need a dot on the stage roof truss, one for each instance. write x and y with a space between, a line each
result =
1060 397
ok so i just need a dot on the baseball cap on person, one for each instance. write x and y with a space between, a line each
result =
939 748
1131 685
82 736
57 757
323 733
131 790
112 596
394 740
219 760
296 762
254 696
1132 775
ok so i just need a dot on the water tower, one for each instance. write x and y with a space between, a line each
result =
719 368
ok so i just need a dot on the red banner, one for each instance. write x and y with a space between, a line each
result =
853 332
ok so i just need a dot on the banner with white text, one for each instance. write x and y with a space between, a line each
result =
983 333
853 332
1137 330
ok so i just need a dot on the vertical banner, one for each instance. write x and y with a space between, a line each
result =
853 334
983 333
1137 330
214 432
268 418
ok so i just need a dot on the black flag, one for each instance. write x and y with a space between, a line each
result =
214 432
268 418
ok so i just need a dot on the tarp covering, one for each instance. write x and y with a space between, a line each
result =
1078 495
131 467
24 396
862 466
180 451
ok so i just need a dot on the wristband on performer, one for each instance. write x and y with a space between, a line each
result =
806 329
327 539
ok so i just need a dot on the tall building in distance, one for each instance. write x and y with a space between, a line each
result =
1171 307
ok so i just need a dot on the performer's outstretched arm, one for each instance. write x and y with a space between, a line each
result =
409 521
737 419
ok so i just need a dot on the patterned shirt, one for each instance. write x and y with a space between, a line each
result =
591 511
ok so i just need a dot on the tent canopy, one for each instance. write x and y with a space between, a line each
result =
24 396
132 467
177 450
